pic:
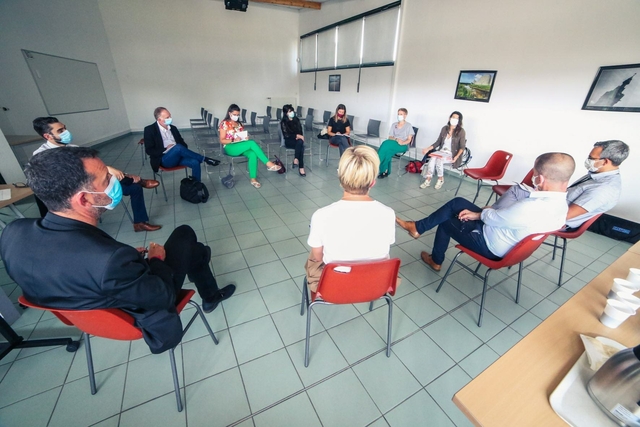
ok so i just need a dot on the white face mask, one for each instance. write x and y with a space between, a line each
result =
590 164
234 117
401 118
453 122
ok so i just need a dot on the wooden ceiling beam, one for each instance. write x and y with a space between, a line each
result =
292 3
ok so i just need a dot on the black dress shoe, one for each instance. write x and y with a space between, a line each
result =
302 174
211 162
223 294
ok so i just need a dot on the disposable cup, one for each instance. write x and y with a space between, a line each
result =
625 285
615 312
634 276
631 300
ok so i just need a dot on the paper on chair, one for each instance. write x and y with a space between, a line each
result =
5 194
242 135
444 155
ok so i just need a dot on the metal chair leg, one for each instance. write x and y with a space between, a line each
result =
204 320
176 384
92 376
126 210
326 160
479 185
484 294
308 336
490 196
455 259
555 246
371 306
305 296
564 251
390 304
164 190
459 184
519 283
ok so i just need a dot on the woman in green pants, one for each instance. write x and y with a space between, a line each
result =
400 136
236 143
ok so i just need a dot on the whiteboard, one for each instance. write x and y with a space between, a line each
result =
67 85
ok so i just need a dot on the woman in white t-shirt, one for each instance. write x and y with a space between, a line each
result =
450 143
356 228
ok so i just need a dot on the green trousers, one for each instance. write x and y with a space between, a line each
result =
251 151
387 150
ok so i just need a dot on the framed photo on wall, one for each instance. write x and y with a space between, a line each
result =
475 85
334 83
615 88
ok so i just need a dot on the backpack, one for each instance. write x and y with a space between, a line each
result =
413 166
193 191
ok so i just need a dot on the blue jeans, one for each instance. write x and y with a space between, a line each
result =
181 155
468 233
341 141
137 199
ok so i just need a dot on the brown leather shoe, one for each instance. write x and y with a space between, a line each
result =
410 226
145 226
429 261
148 183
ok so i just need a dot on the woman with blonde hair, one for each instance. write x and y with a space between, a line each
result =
355 228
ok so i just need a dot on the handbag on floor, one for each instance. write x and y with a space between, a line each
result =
193 191
278 162
228 180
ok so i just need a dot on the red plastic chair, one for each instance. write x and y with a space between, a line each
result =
351 283
115 324
564 235
517 255
160 172
329 145
492 171
500 189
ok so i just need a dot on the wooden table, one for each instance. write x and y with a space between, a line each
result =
17 194
515 390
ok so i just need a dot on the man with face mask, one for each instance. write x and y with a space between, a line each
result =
64 261
166 147
493 232
57 135
596 192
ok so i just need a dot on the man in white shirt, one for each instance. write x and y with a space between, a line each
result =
491 232
594 193
57 135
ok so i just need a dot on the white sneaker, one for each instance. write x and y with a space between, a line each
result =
439 184
426 183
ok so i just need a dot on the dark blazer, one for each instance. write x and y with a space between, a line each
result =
154 146
63 263
458 142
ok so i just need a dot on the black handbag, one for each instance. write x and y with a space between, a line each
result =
193 191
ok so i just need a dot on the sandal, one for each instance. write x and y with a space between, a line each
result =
256 184
439 184
274 168
426 183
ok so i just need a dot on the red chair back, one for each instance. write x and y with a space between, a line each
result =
519 253
528 179
577 233
360 281
494 169
111 323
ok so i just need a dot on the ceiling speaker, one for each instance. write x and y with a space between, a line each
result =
239 5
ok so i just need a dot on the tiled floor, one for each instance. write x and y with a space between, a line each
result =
255 376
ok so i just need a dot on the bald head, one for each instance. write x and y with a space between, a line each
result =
556 168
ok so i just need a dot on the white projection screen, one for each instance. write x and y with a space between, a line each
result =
67 85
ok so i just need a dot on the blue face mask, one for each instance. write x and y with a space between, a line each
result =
291 114
65 137
168 121
113 190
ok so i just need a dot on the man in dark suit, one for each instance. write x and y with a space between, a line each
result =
166 147
65 261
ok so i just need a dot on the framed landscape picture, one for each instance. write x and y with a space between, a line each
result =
334 83
475 85
615 88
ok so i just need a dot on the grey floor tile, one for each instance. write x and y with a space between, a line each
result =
324 358
293 412
419 307
443 389
203 359
33 411
356 339
244 307
502 342
155 412
255 339
456 340
418 410
423 357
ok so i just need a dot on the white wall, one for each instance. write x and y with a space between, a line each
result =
67 28
546 54
374 99
197 54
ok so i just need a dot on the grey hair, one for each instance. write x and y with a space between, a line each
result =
614 150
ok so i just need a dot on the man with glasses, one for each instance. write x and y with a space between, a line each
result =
596 192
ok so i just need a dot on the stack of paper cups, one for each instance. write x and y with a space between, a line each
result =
615 312
634 276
